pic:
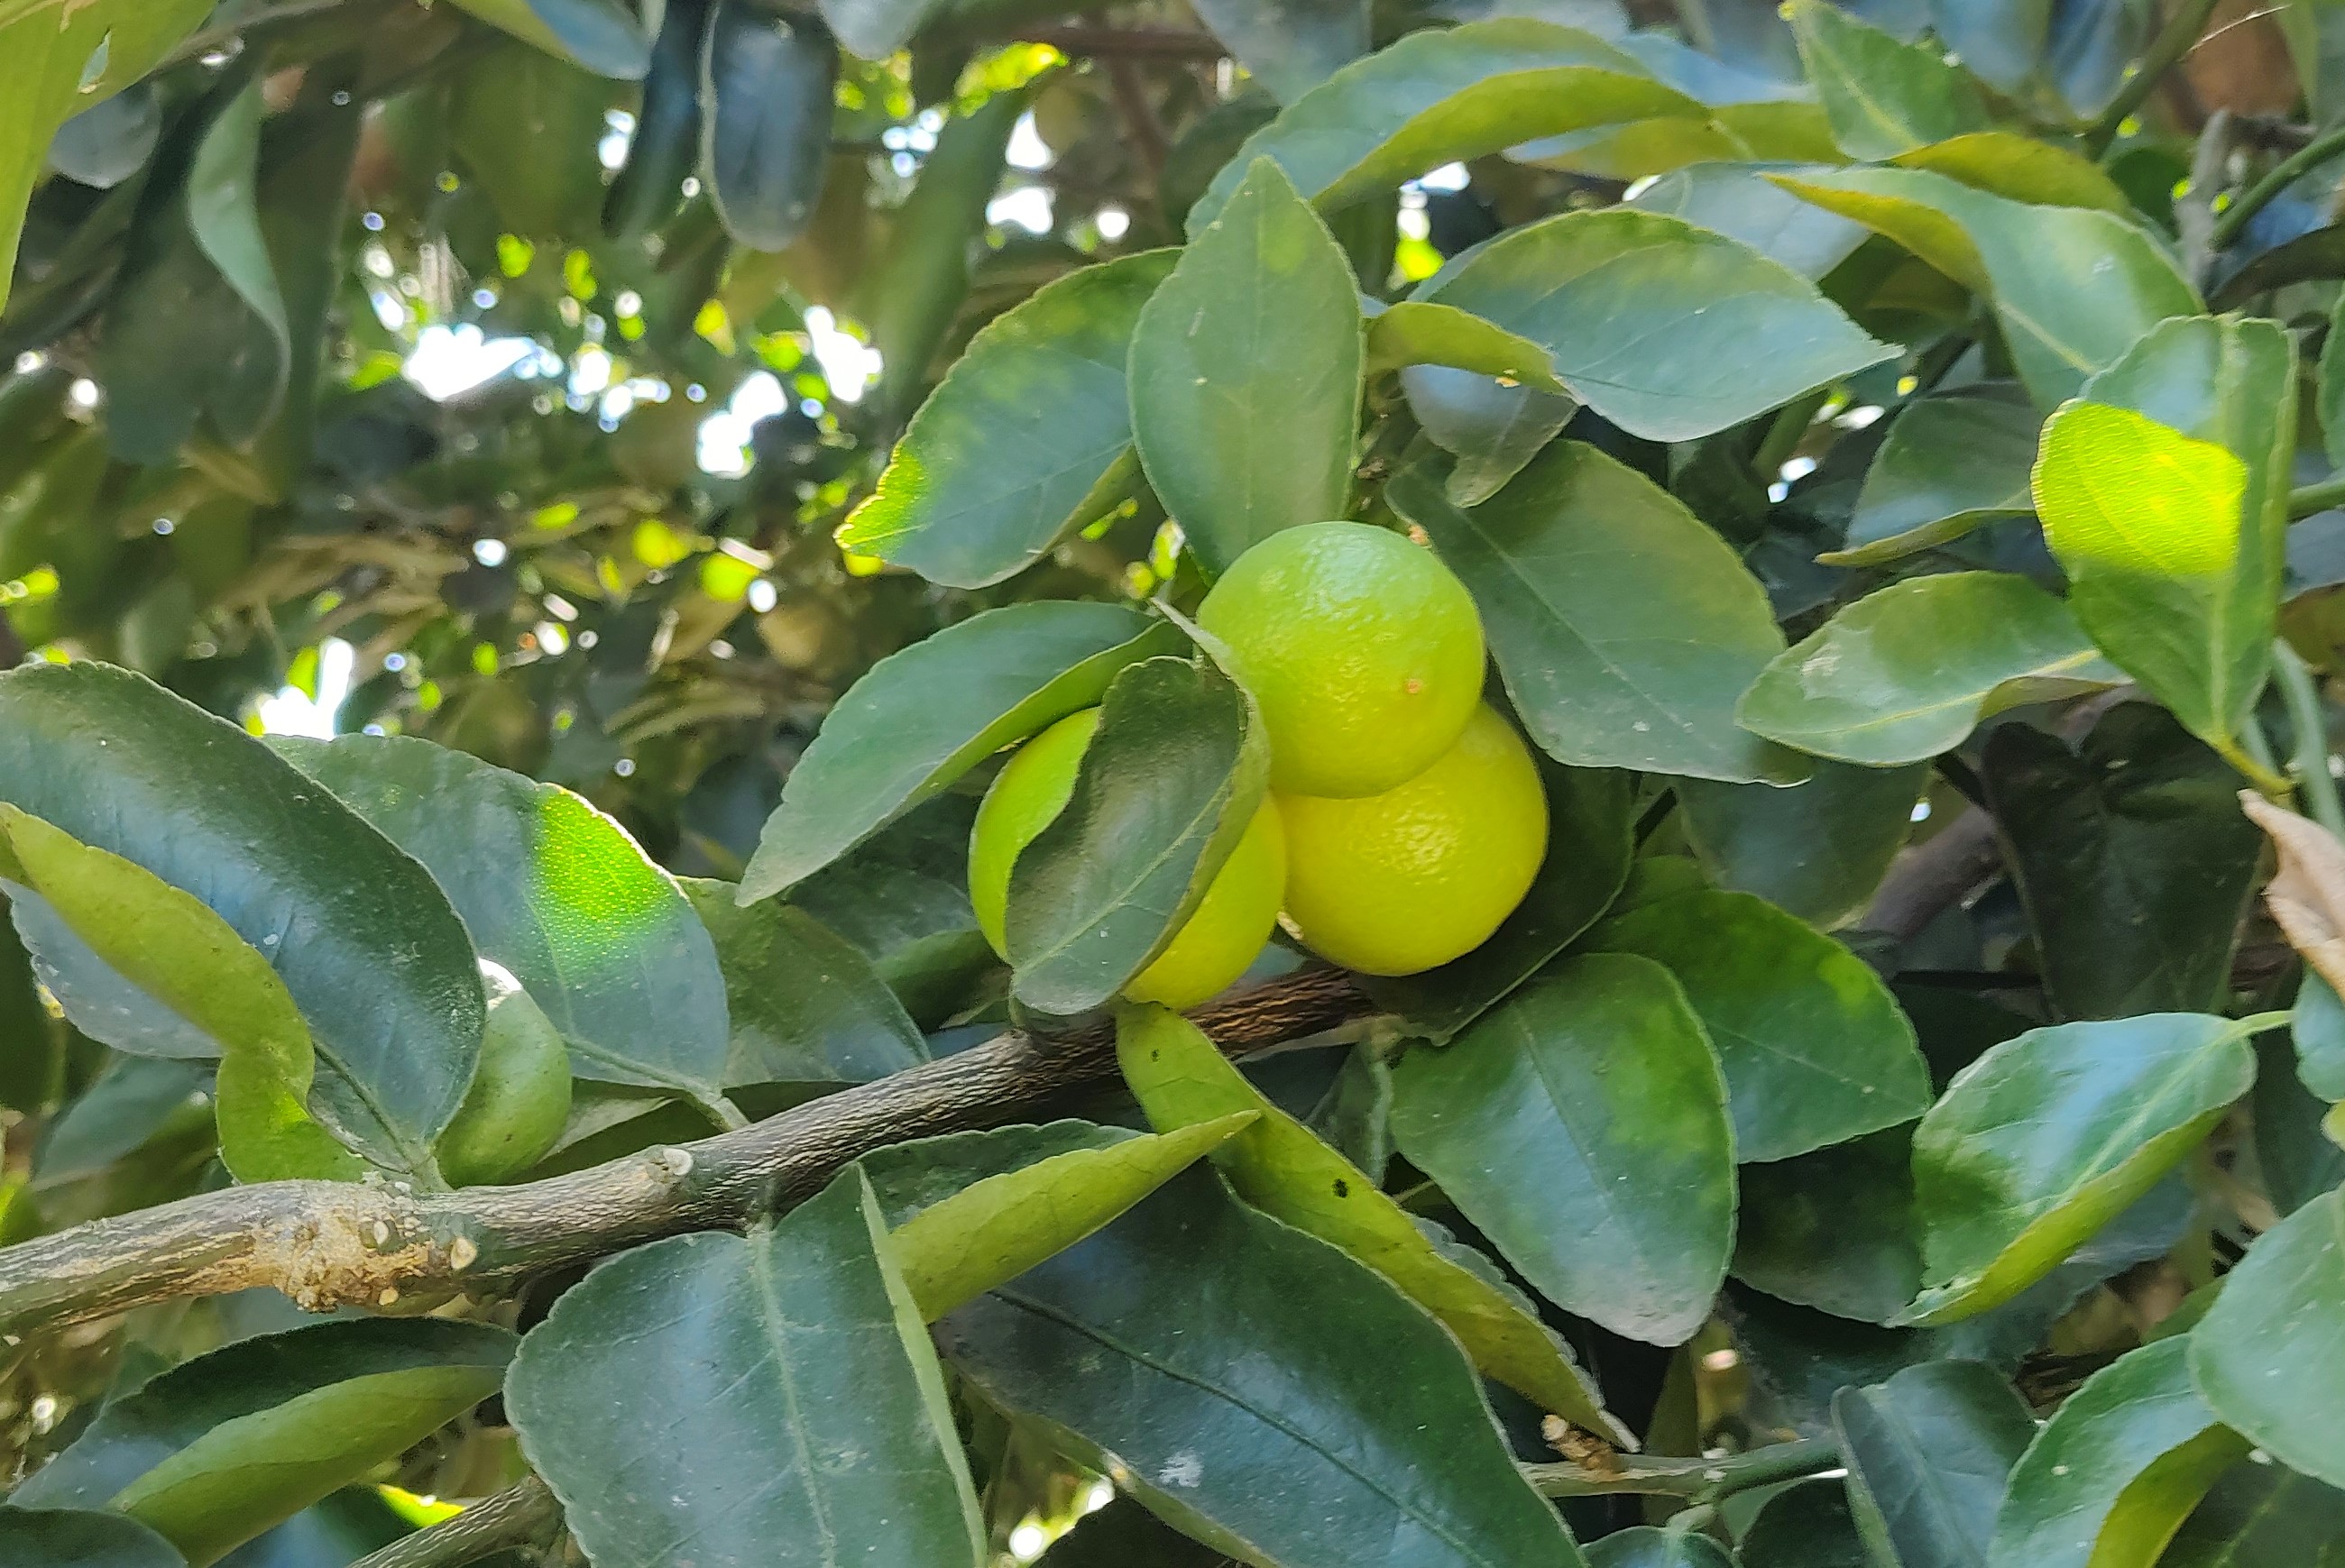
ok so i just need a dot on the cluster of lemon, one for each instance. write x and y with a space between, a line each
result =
1405 818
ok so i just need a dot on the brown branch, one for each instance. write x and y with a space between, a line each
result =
1928 878
514 1517
332 1244
1147 131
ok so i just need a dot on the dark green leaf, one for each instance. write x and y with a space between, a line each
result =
1906 673
1884 97
82 1539
220 1448
2117 1469
2296 1159
1834 1229
769 1398
224 217
1952 463
2132 859
1186 1351
1638 309
1813 1048
2164 496
1572 565
1806 1525
595 33
1168 784
132 1102
1491 429
1737 201
1022 438
925 716
2268 1355
765 87
32 1049
805 1006
2047 1136
1818 849
1245 374
665 146
125 767
338 1531
902 900
2073 288
1289 45
1589 844
2319 1026
1182 1079
1440 97
1928 1454
1581 1125
1643 1546
96 999
2261 1516
1125 1535
635 990
910 1178
526 124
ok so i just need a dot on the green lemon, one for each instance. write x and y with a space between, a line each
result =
520 1098
1363 651
1395 882
1222 937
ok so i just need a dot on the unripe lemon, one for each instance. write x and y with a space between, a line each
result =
1362 649
1222 937
520 1098
1403 881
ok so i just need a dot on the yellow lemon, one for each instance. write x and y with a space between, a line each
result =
1221 939
1363 651
1403 881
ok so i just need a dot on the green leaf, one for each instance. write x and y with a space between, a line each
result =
124 766
1884 98
1289 45
2047 1138
96 999
912 1176
1125 1535
1025 437
2259 1514
525 123
2164 496
1191 1352
81 1538
133 1102
50 47
1637 311
1440 96
1245 374
875 29
2319 1027
2073 288
1572 565
1834 1229
595 33
170 946
1952 463
1581 1125
2268 1355
1645 1546
1813 1048
2121 1463
2007 164
1818 849
1928 1454
1414 333
1492 429
1168 784
1736 200
224 217
220 1448
1590 843
635 990
924 716
1806 1525
805 1007
1182 1081
1906 672
776 1402
2294 1156
765 84
2132 859
664 149
989 1232
902 900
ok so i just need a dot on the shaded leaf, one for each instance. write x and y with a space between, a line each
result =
1581 1125
1812 1045
224 217
1952 463
1289 45
2296 1159
875 29
1818 849
1182 1081
1022 439
1644 1546
1125 1535
2047 1138
1806 1525
526 123
1906 673
1491 429
1928 1454
595 33
1737 199
635 990
2270 1353
2262 1513
1573 565
1637 310
132 1102
769 1398
664 149
1834 1229
1185 1351
1884 97
1245 374
765 87
82 1539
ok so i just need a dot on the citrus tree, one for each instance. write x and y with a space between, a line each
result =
1462 784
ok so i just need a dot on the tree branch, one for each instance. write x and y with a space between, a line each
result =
1695 1480
334 1244
514 1517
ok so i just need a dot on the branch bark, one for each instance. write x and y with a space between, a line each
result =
514 1517
335 1244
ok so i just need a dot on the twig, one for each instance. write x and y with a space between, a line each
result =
514 1517
2313 780
2287 172
2194 212
333 1244
2306 500
1698 1480
1928 878
2176 39
1148 138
